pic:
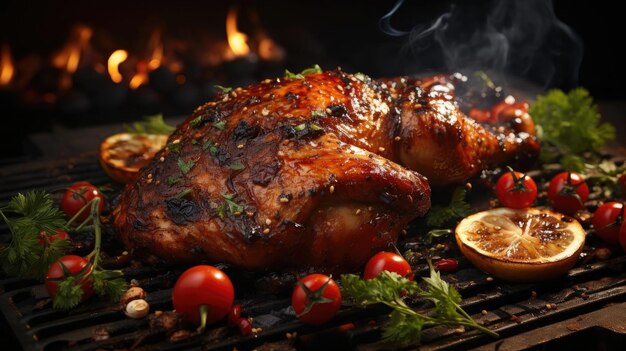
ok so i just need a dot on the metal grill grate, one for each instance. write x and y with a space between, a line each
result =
510 309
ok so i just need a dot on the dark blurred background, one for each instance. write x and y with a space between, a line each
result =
176 51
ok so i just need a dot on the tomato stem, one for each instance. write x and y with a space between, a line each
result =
77 214
204 312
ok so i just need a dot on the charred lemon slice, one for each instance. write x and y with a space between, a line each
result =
122 155
524 245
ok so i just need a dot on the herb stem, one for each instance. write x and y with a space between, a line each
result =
95 254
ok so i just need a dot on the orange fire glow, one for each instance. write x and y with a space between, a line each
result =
237 41
113 64
7 69
269 50
155 45
141 77
68 57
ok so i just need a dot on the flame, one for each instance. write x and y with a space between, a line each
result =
236 39
269 50
141 77
113 64
68 57
156 53
7 69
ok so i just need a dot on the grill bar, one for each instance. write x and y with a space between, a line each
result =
511 309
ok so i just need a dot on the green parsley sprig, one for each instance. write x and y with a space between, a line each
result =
311 70
105 282
405 325
569 127
151 125
31 216
457 208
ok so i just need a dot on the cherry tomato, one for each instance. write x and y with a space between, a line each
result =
568 192
46 239
516 190
245 327
387 261
622 236
75 198
203 285
447 265
76 266
234 315
607 221
316 299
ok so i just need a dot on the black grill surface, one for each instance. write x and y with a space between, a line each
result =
584 308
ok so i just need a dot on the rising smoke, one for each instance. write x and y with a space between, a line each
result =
509 38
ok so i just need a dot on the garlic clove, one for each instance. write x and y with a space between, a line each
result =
137 309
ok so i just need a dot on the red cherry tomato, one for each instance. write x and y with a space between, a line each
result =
75 198
607 221
387 261
568 192
45 239
234 315
447 265
203 285
622 236
516 190
245 327
76 266
316 299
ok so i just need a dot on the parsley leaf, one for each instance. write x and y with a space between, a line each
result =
185 167
236 166
405 324
224 90
219 125
173 147
171 180
233 207
196 122
569 124
68 294
36 215
318 113
311 70
458 208
150 125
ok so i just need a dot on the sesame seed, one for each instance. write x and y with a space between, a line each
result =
489 279
370 208
329 111
149 180
266 231
234 94
149 175
176 141
268 221
240 146
157 182
396 138
250 214
328 224
237 213
225 98
484 312
265 111
331 189
245 108
284 199
267 81
162 159
339 87
381 149
281 153
404 232
358 211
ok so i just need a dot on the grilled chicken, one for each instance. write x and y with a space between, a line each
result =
307 172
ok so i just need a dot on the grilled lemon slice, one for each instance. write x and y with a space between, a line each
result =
122 155
524 245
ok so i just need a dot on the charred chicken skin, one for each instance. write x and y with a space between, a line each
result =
310 172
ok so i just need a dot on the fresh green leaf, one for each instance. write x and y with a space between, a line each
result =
172 180
311 70
173 147
196 122
220 125
233 207
569 123
194 142
34 214
224 90
185 167
109 283
184 193
300 127
405 325
151 125
314 127
318 114
68 294
458 208
236 166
